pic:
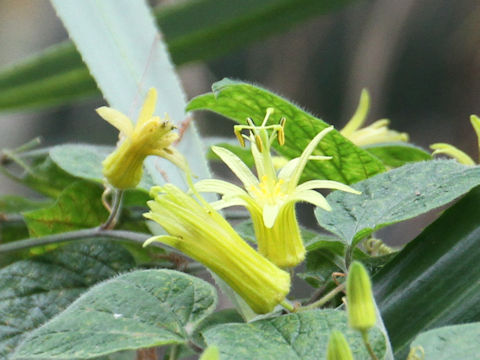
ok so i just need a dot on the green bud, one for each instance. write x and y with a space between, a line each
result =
338 348
360 303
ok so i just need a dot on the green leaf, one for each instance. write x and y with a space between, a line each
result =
431 282
85 161
193 30
394 196
398 154
224 316
450 342
136 310
122 36
32 291
10 204
238 100
301 336
321 263
79 206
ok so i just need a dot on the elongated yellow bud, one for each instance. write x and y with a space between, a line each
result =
360 303
199 231
338 348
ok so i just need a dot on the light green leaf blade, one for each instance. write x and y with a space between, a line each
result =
398 154
32 291
396 195
121 35
301 336
430 283
79 206
136 310
192 32
450 342
238 100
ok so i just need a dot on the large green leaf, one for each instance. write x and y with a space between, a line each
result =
79 206
32 291
121 35
450 342
301 336
396 195
137 310
433 281
193 31
398 154
239 100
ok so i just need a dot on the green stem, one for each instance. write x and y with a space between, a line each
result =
368 346
97 232
173 352
348 256
115 213
288 306
322 301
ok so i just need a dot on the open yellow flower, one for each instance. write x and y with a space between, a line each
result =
271 197
454 152
199 231
377 132
150 136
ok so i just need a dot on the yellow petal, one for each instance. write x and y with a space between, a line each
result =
148 107
237 166
360 115
326 184
270 213
117 119
312 197
452 151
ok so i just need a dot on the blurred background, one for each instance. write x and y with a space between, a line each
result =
420 61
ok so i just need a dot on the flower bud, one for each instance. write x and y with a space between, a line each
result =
360 303
338 348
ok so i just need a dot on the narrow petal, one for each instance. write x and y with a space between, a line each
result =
304 157
165 239
237 166
452 151
148 107
326 184
224 203
219 187
117 119
360 115
312 197
270 213
286 172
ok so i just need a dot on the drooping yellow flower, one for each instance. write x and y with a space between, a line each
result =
149 136
454 152
377 132
202 233
271 197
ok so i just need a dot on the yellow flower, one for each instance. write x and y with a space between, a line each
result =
271 197
452 151
199 231
150 136
360 304
377 132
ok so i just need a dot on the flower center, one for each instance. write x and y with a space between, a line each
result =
268 190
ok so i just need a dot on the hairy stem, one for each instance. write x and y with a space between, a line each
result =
322 301
368 346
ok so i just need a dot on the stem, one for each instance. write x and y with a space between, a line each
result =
133 237
329 296
368 346
173 352
348 256
115 213
288 306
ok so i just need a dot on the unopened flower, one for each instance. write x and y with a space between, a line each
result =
360 303
338 348
377 132
452 151
149 136
202 233
271 197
